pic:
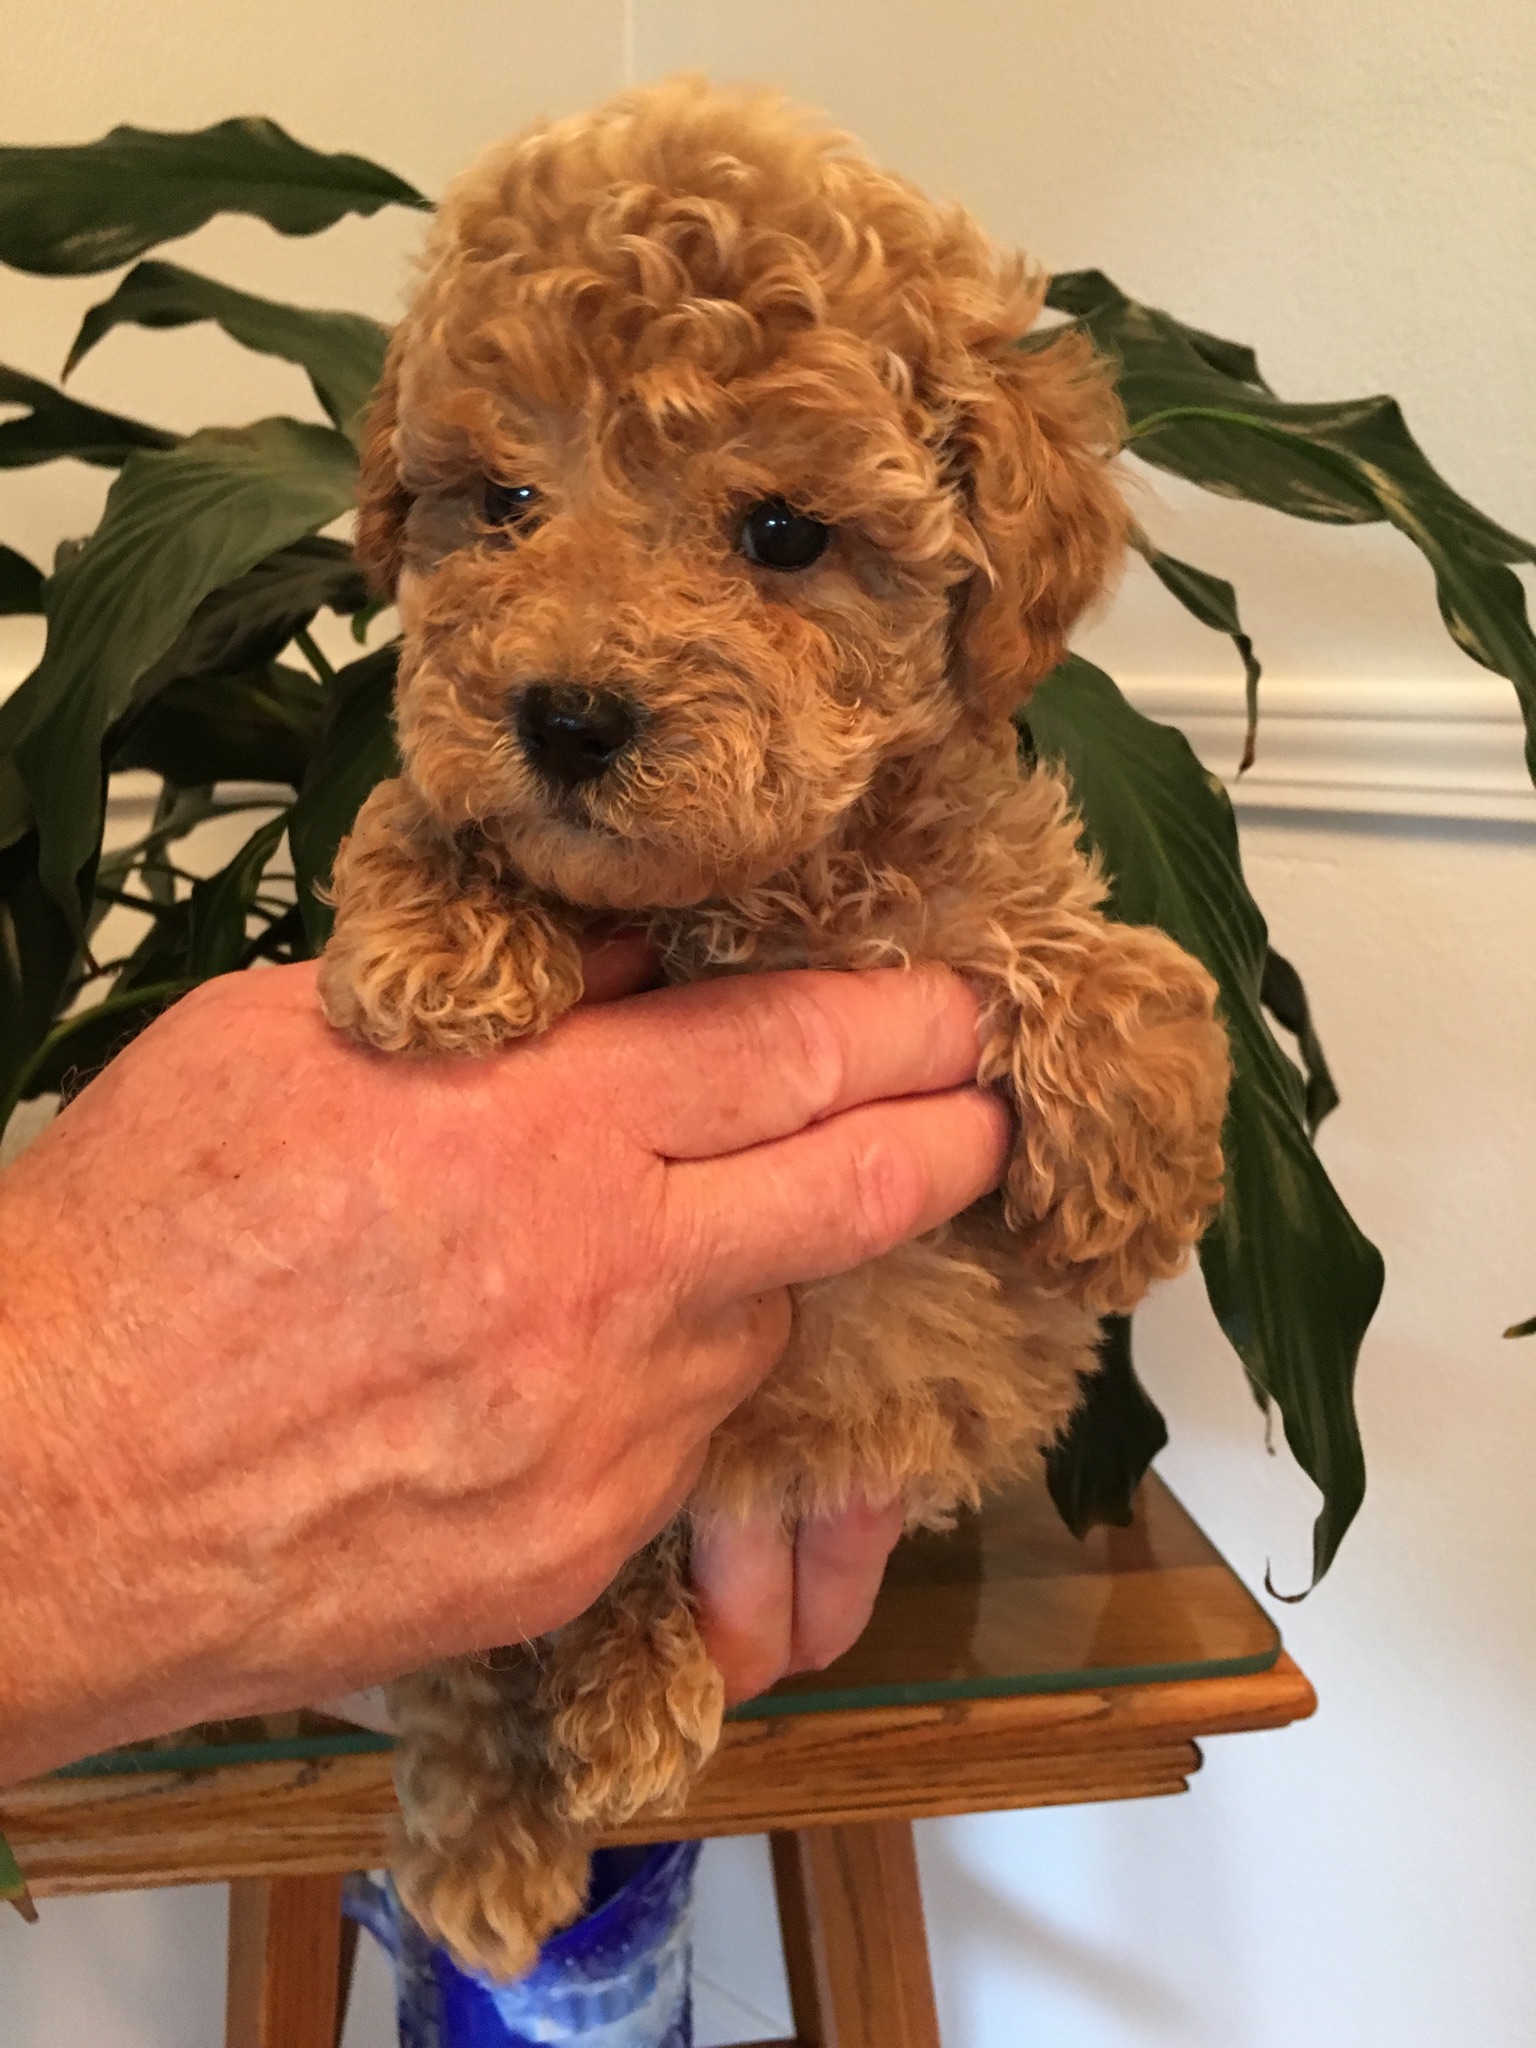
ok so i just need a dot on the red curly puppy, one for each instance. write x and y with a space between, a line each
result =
729 523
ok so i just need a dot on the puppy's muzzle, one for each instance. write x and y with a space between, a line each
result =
572 734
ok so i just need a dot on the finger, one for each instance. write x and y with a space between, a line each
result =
721 1065
744 1577
619 965
840 1561
832 1198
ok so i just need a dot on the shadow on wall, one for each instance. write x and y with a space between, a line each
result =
126 1969
1002 1967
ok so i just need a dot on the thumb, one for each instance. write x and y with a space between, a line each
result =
619 965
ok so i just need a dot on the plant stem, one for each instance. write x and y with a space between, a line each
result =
82 981
149 906
304 640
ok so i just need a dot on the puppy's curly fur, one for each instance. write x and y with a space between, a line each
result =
655 317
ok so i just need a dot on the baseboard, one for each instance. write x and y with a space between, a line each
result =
1450 749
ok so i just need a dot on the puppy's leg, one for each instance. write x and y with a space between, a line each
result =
633 1699
508 1765
926 1376
1119 1071
485 1859
433 949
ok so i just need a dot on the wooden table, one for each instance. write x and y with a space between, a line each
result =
1006 1666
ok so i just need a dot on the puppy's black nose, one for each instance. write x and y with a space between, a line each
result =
573 734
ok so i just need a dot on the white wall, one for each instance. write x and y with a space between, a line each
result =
1352 190
1366 1879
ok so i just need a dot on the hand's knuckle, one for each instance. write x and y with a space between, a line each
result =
810 1049
889 1189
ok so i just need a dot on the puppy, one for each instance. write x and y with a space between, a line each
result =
729 523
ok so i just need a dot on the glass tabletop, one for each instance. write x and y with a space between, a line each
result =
1006 1602
1009 1601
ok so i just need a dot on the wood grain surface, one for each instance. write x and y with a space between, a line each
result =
284 1954
855 1942
804 1770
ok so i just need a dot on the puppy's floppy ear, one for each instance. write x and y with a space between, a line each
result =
1030 435
382 500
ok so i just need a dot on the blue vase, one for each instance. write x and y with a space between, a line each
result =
621 1977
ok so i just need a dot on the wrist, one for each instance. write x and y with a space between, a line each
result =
82 1590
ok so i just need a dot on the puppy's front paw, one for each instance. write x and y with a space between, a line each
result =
1134 1183
433 949
472 980
634 1741
1118 1163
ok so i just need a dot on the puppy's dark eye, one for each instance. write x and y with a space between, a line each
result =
510 505
776 536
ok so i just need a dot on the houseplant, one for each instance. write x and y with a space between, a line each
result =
179 644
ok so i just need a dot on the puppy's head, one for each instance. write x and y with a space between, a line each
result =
709 477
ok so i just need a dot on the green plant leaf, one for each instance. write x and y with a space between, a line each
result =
1094 1469
221 904
1292 1280
1213 601
257 725
38 951
71 210
187 941
356 751
1282 994
250 620
55 425
21 585
76 1050
178 812
177 525
283 940
1197 407
15 804
341 353
364 616
13 1885
159 960
1342 463
231 713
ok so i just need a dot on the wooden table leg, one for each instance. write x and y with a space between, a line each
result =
284 1954
855 1943
346 1969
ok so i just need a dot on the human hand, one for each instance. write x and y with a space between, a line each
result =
317 1365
